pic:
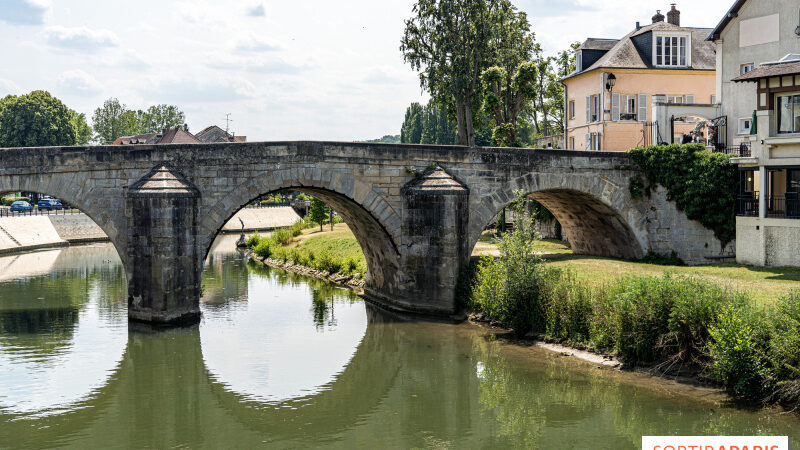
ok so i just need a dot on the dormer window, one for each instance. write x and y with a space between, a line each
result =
672 50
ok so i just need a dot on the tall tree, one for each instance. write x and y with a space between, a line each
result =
447 41
34 120
411 132
83 132
113 120
319 212
159 117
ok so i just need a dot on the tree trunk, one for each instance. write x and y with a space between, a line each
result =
470 127
462 126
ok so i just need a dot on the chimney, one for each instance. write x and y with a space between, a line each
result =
674 16
658 17
638 26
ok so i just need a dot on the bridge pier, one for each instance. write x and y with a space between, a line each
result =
163 266
436 222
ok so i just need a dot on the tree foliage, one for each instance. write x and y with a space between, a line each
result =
427 125
411 132
34 120
114 120
703 184
83 132
319 212
448 42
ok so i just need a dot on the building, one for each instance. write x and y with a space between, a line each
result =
758 79
751 33
621 86
177 135
215 134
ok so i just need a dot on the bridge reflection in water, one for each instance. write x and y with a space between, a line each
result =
289 362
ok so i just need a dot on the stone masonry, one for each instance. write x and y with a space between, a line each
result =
416 210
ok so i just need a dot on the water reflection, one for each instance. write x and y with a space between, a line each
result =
292 362
257 340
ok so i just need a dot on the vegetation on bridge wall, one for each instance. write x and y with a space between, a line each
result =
703 184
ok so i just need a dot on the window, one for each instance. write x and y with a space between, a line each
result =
593 108
572 143
674 99
628 108
592 141
744 68
788 113
572 109
671 51
744 125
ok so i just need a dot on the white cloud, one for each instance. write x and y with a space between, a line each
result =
256 11
387 76
193 90
79 82
81 38
9 87
272 65
256 44
24 12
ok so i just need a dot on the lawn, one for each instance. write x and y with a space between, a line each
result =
763 284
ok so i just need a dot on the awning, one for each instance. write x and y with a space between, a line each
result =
770 70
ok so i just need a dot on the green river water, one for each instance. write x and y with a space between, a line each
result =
283 361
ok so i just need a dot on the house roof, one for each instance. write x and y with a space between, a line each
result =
598 44
214 134
624 54
791 67
178 136
172 136
726 19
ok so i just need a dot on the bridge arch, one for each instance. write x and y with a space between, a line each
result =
63 186
372 220
597 216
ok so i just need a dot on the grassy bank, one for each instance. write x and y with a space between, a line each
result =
332 251
674 323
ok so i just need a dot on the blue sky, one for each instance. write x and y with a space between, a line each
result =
303 69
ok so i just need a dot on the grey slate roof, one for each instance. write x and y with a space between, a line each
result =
771 70
598 44
624 54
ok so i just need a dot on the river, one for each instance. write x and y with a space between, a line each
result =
285 361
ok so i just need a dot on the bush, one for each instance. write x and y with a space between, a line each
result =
327 263
253 240
736 352
7 201
569 314
264 248
785 349
282 236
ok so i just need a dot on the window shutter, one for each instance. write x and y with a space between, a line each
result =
597 141
642 108
615 98
689 98
588 109
588 141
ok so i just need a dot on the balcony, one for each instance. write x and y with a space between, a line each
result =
742 150
747 205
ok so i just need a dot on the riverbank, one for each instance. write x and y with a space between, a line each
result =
335 278
25 233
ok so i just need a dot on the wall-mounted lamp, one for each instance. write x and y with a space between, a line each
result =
611 80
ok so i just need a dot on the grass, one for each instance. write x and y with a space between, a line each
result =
763 285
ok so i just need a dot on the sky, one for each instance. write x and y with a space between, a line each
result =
283 70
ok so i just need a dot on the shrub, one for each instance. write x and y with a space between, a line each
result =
326 262
264 248
297 228
785 349
736 352
7 201
282 236
253 240
662 260
569 313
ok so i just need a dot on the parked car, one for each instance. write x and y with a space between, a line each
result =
21 206
49 204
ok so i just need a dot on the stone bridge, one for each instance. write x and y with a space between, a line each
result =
417 211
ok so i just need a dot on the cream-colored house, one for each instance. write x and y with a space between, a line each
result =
620 87
758 81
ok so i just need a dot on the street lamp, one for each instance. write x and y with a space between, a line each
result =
611 80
